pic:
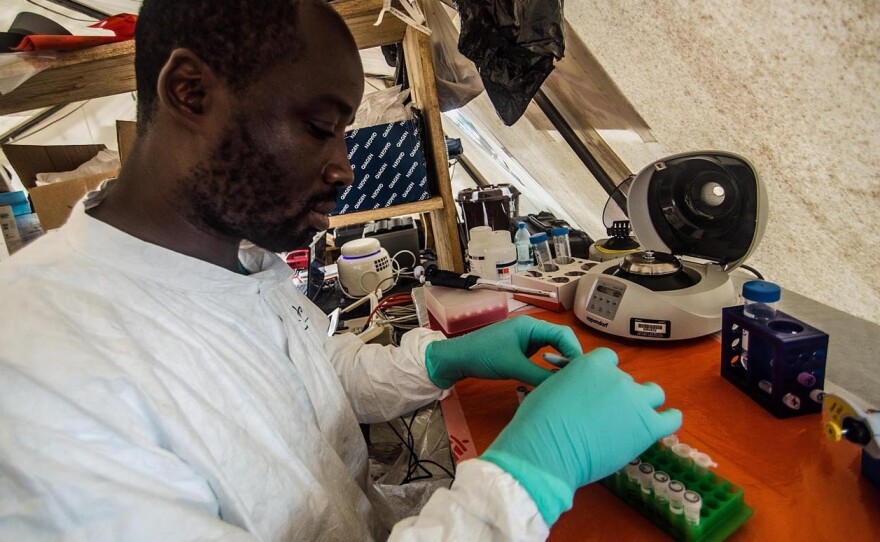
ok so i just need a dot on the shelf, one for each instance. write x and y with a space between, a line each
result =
431 204
109 69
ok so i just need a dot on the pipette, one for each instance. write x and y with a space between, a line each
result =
439 277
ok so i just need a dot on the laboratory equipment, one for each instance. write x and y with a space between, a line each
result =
364 267
685 503
556 360
561 246
438 277
785 364
619 244
503 252
759 303
560 279
477 246
524 257
455 312
491 205
846 418
699 216
541 248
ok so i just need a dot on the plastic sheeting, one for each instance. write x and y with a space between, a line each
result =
513 44
406 483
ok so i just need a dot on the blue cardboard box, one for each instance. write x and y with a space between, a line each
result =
389 167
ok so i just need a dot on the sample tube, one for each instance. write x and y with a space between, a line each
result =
646 477
562 246
632 475
542 252
692 504
703 462
670 441
660 481
766 386
683 454
521 393
817 395
675 491
808 380
759 303
760 299
791 401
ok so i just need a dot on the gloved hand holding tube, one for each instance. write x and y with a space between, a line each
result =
582 424
499 351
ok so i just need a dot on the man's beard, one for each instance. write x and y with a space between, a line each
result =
242 192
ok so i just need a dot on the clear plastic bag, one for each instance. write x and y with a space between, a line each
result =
458 80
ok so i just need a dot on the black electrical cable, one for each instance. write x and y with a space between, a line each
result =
752 270
413 461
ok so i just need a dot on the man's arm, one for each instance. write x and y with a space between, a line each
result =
384 382
67 473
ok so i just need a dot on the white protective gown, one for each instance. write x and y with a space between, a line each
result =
147 395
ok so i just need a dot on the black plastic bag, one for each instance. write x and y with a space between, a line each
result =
513 44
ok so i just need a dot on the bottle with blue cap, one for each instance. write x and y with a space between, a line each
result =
759 302
562 246
524 257
542 251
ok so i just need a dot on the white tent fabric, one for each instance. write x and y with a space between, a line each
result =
790 88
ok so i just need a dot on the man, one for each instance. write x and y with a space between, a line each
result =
159 383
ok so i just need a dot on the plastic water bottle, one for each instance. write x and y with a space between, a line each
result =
524 256
759 303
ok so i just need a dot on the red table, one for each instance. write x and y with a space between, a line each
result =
801 486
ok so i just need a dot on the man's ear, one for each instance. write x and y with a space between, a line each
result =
186 87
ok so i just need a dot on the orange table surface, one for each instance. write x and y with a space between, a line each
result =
800 485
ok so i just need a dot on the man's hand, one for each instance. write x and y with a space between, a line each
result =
584 423
499 351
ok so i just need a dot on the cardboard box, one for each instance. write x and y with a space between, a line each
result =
54 202
28 160
389 167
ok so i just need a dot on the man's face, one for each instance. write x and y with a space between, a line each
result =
280 158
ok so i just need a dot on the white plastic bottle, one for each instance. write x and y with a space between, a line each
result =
477 248
503 253
524 257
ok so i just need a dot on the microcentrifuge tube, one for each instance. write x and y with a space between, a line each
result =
669 441
675 490
646 475
632 470
521 393
808 380
683 453
817 395
792 401
660 483
766 386
692 504
702 461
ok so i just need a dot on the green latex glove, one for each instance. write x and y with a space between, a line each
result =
499 351
582 424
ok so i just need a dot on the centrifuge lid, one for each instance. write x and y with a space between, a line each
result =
708 205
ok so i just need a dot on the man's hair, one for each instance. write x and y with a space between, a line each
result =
238 39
